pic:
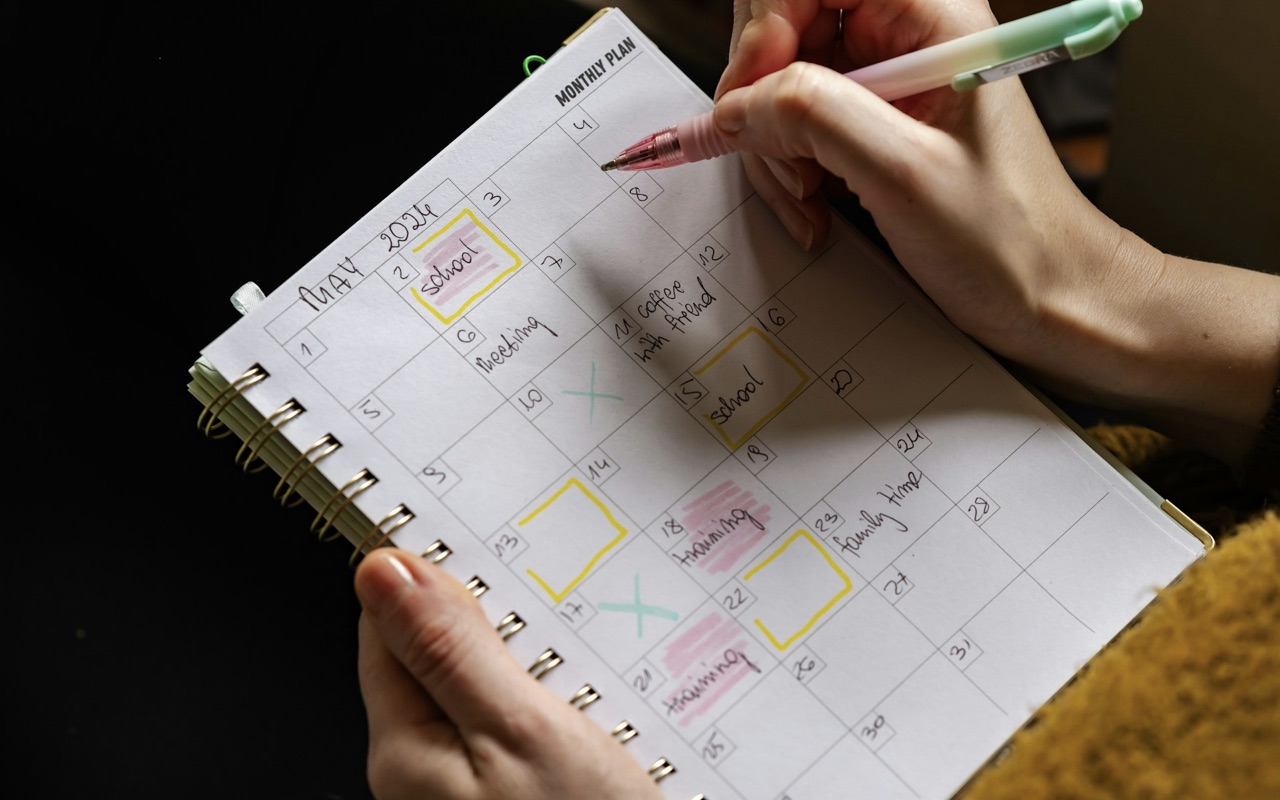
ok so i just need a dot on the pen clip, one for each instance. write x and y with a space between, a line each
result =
1077 45
967 81
1095 39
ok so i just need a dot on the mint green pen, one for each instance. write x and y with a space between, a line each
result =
1075 30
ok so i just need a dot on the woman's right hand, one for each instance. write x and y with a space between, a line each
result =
965 187
977 207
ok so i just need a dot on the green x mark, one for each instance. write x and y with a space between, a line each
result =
639 609
592 393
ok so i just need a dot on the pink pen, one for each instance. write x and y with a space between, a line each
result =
691 140
1075 30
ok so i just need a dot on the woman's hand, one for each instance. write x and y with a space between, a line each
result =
966 188
452 715
975 204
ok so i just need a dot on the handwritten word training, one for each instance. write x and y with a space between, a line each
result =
723 527
707 679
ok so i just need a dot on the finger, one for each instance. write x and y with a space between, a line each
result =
393 698
807 111
821 37
411 742
875 30
807 221
799 177
741 13
769 39
435 628
817 37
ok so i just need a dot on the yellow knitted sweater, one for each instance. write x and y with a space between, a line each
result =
1185 703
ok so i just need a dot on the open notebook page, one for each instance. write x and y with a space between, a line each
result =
805 536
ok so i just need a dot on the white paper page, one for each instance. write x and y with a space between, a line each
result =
808 539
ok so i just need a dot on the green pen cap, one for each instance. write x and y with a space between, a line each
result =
1075 30
1105 32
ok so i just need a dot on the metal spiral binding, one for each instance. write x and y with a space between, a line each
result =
661 769
208 420
509 625
361 481
544 663
323 448
278 418
436 552
624 732
401 512
584 697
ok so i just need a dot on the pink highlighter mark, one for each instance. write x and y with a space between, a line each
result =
706 661
725 523
458 261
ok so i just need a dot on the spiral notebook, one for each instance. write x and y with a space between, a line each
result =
763 514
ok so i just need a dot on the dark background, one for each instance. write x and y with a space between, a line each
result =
178 634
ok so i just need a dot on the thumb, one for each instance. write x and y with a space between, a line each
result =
439 632
810 111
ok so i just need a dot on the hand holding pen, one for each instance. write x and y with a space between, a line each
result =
965 186
1075 30
975 204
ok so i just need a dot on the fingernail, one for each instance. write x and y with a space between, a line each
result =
380 580
731 111
401 570
787 175
797 224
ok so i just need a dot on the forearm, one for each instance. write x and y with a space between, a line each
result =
1191 348
976 206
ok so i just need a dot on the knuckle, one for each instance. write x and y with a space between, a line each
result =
915 166
437 647
388 774
529 724
800 92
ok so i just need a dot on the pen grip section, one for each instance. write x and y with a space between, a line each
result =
699 139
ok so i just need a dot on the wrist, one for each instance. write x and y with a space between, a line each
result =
1189 348
1091 336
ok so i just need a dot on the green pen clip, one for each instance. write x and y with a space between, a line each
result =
1096 39
1052 36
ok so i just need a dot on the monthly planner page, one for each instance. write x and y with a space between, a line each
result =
797 531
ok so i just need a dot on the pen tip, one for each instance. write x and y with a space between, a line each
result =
610 165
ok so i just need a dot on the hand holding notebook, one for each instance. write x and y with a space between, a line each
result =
431 663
